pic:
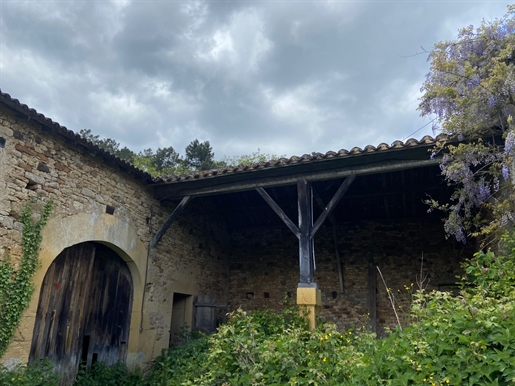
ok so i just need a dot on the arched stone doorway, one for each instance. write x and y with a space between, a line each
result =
84 310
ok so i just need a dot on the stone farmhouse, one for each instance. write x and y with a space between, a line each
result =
127 261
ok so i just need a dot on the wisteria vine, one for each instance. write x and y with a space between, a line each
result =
471 90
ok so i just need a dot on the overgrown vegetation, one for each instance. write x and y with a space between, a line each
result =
470 90
16 285
38 373
101 375
450 340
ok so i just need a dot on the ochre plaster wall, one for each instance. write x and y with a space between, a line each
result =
189 259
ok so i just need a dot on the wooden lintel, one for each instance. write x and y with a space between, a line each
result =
168 223
332 204
277 209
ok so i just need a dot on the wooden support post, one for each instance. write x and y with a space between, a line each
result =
308 295
306 262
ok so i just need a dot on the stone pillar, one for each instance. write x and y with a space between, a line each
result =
309 299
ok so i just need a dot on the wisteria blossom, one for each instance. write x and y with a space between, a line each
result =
470 90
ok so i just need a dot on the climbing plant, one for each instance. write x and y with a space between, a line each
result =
16 286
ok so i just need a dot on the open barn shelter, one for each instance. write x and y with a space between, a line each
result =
327 226
127 261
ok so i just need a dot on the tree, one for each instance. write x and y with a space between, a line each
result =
248 159
200 155
166 159
144 160
126 154
88 135
471 90
109 145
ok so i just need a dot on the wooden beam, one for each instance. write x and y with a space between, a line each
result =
306 261
372 297
332 204
238 182
318 199
178 209
277 209
338 260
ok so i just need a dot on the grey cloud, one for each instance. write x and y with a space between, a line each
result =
285 77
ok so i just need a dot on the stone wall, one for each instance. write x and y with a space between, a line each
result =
264 267
189 259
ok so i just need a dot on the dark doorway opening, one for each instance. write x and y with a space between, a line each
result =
182 310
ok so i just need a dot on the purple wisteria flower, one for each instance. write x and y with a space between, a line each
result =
505 173
484 192
509 144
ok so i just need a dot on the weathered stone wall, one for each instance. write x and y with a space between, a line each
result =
264 267
189 259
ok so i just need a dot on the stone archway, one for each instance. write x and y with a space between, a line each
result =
84 310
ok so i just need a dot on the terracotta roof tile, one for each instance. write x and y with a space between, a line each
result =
62 131
282 162
293 160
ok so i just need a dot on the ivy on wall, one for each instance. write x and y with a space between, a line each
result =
16 286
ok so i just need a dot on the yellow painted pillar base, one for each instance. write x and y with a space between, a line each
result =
309 299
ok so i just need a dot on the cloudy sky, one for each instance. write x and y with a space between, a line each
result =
284 77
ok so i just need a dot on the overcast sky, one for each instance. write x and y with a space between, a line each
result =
285 77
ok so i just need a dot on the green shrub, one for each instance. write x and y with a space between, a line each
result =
102 375
37 373
179 364
452 340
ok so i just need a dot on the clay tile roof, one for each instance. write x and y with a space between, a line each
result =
316 157
69 136
278 163
411 142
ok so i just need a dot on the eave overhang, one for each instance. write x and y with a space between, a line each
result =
339 166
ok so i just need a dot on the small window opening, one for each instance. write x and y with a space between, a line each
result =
266 295
334 294
110 209
2 142
32 186
250 295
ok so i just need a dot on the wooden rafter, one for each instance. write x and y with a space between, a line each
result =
168 223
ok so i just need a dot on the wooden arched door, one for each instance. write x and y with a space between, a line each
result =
84 310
